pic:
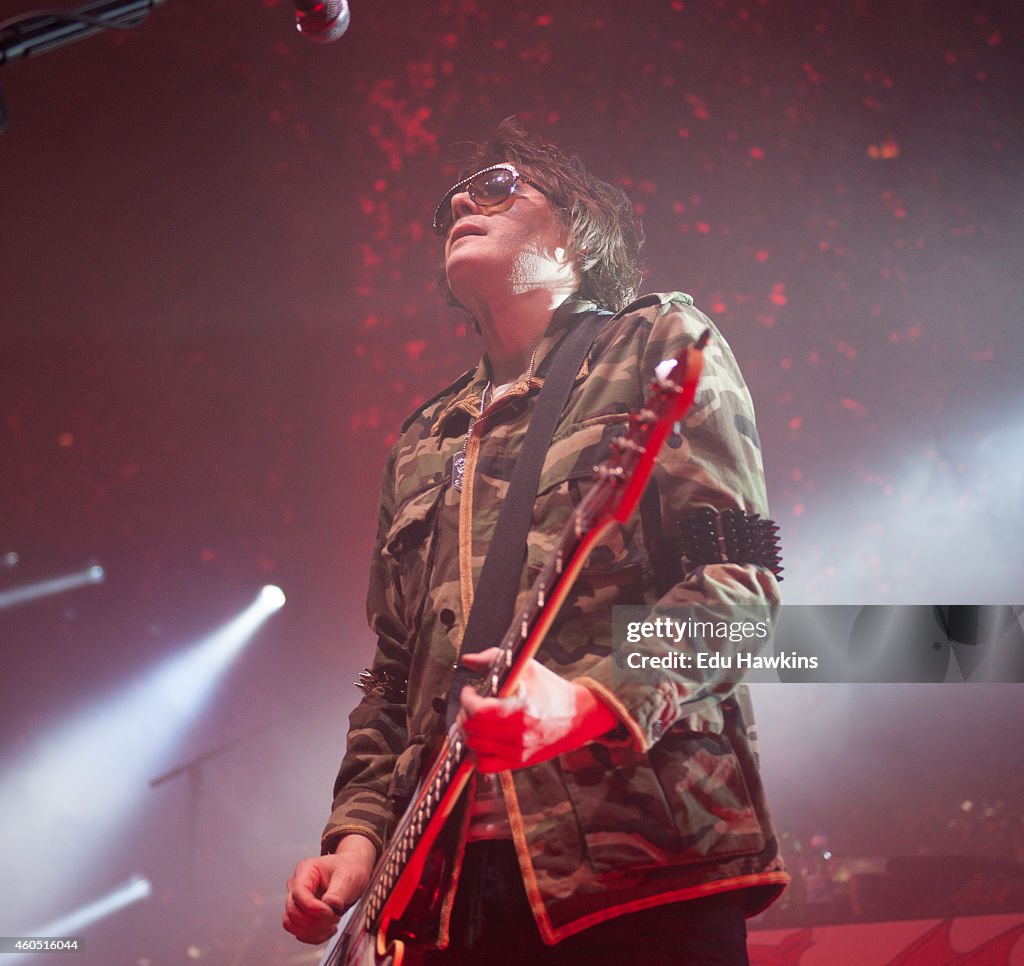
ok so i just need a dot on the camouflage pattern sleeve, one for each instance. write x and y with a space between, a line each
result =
714 462
378 725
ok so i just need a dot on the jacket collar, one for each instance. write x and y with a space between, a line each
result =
466 403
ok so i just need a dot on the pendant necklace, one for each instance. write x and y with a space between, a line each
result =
459 460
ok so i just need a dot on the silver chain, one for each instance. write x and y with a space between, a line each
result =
459 460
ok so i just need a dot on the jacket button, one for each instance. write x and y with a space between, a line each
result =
447 617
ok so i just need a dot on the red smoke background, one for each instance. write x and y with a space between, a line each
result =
217 306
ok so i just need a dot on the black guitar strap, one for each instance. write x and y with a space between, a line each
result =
495 596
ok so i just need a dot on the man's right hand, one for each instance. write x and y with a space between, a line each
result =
321 889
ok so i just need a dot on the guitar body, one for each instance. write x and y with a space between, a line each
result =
357 947
426 877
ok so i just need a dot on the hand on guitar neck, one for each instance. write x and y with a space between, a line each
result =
546 716
320 889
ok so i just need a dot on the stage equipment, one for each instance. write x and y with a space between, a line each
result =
31 34
322 21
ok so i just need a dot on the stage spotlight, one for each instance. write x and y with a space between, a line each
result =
273 597
107 753
135 890
54 585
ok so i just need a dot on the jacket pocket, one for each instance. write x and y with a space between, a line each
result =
408 550
684 802
565 481
411 523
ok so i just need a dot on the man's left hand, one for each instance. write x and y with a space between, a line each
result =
546 716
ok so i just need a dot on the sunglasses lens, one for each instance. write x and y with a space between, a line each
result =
492 187
487 189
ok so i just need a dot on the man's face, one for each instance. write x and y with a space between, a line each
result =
521 239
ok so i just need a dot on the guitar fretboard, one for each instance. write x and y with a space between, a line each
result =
410 829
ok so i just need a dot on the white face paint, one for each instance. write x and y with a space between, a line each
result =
533 269
522 242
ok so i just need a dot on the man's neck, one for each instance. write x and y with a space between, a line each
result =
512 327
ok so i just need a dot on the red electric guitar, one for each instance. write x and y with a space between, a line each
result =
409 874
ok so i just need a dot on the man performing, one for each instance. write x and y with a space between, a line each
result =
611 815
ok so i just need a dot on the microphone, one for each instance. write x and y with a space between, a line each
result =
322 21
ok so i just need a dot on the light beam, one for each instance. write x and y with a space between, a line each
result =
88 773
53 585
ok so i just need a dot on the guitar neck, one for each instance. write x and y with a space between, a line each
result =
519 645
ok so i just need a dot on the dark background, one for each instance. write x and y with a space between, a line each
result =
217 305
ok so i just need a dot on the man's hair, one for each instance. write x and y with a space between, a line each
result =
604 239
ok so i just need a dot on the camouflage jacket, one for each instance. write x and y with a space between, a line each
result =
668 807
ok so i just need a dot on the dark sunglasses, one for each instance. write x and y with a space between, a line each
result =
487 188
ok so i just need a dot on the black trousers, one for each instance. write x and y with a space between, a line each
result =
492 925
